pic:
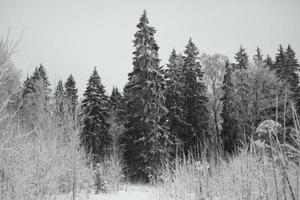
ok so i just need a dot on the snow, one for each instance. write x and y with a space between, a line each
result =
128 192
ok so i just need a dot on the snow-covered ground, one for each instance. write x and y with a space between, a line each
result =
128 192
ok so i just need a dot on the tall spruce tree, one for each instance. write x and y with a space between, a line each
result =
195 112
174 97
242 59
71 96
258 58
59 100
145 137
95 106
241 78
229 125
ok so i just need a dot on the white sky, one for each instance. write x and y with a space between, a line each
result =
73 36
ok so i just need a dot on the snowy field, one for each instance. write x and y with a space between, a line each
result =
128 192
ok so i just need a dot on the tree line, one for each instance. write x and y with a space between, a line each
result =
197 102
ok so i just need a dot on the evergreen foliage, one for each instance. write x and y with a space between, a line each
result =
293 79
258 58
117 107
279 65
146 138
59 100
36 94
174 96
71 96
229 125
95 106
291 69
194 107
286 67
40 74
268 62
116 99
241 58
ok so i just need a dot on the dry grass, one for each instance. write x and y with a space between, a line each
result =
259 171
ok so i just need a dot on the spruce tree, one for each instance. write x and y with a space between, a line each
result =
35 99
292 68
195 112
258 58
116 121
280 66
174 97
293 78
71 96
145 137
268 62
242 59
116 99
286 67
40 74
27 87
27 100
95 106
229 125
59 100
117 107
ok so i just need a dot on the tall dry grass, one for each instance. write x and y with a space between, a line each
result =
262 170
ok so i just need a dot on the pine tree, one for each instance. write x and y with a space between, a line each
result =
195 112
71 95
258 58
59 100
229 125
95 114
145 137
174 97
241 58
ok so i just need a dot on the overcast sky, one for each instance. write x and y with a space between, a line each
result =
73 36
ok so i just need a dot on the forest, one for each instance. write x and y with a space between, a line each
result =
198 127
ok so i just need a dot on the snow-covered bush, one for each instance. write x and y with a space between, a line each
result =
39 164
108 175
